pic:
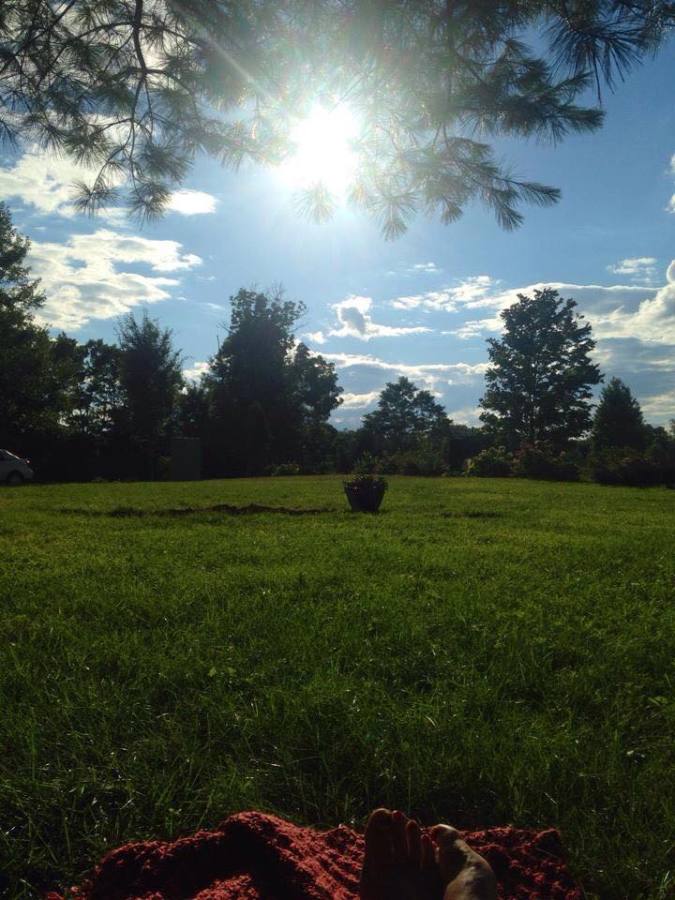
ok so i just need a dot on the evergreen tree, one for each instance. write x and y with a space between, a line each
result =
139 88
540 378
404 415
618 420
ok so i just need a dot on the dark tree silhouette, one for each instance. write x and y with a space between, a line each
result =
35 371
316 385
404 415
140 88
540 378
194 408
265 395
150 374
317 394
618 420
249 385
96 408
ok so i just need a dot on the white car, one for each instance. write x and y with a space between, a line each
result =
14 469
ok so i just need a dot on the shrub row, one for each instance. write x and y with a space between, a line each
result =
617 466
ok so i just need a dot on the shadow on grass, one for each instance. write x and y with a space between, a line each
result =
473 514
129 512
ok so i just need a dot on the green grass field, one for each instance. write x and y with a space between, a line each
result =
481 652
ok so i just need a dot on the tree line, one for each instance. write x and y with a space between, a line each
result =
263 404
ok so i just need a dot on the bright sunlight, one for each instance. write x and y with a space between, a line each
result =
324 149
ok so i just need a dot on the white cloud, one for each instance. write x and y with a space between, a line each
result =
316 337
437 300
115 216
477 327
467 415
660 407
639 268
467 293
653 319
588 296
195 371
83 281
192 203
421 268
429 375
44 180
355 320
359 401
611 307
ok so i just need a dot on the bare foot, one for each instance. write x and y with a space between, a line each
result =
465 873
404 863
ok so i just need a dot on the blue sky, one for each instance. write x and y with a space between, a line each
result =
420 306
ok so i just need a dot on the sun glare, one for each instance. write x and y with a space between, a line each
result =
323 150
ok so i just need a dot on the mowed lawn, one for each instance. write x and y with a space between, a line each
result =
483 651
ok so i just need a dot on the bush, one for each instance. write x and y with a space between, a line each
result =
494 462
661 454
624 466
542 462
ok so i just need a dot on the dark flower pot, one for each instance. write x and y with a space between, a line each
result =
365 495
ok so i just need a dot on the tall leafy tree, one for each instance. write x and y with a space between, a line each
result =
317 393
404 415
67 357
150 375
538 385
618 420
193 414
316 385
98 401
138 88
34 370
266 393
251 363
253 414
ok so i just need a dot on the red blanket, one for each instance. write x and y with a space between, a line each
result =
252 856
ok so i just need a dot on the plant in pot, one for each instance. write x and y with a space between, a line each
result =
365 492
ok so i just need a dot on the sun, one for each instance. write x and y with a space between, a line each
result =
323 150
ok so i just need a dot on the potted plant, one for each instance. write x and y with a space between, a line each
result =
365 492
